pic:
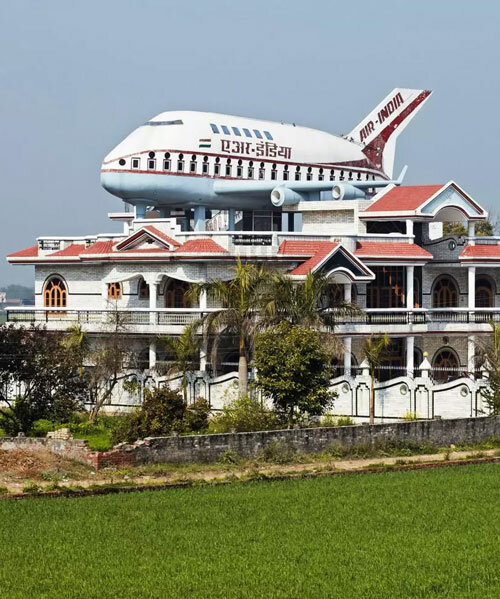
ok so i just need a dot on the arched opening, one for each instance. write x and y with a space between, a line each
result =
485 293
114 291
143 291
445 293
176 294
445 365
55 294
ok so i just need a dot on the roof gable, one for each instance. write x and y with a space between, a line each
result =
148 237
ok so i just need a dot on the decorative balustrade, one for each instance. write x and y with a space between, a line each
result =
183 316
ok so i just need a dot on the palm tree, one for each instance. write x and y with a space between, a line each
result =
373 352
240 300
307 303
184 350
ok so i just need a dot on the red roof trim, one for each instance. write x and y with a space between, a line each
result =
404 198
31 252
396 250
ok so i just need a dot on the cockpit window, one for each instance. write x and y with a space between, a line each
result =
268 135
225 129
162 123
247 132
258 134
236 131
215 129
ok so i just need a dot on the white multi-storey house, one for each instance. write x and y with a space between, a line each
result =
434 295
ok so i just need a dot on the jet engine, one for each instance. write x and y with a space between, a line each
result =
283 196
344 191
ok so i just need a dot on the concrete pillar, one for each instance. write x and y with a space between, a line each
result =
347 356
471 351
471 288
231 219
204 342
348 292
140 211
199 218
410 349
409 227
472 232
152 354
409 287
284 221
153 295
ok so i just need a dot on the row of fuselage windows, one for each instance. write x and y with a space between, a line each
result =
231 167
217 129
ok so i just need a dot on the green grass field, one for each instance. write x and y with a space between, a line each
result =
432 533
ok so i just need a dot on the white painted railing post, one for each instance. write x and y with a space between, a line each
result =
425 367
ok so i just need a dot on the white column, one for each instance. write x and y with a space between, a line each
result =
472 232
347 355
152 355
409 228
472 287
348 292
410 349
204 342
153 294
409 287
471 350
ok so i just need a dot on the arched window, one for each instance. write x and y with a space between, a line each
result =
204 168
484 293
192 166
55 294
250 169
180 163
228 167
285 173
175 294
239 169
321 176
151 161
445 365
262 171
114 291
309 175
274 173
217 166
143 290
445 293
297 173
332 175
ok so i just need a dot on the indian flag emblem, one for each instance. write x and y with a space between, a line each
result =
205 143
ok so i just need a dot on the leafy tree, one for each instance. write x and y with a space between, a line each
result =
456 229
293 370
485 228
184 353
39 378
307 303
374 349
492 365
240 300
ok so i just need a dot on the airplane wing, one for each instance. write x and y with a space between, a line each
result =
291 192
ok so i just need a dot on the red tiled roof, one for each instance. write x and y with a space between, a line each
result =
202 246
404 198
74 249
390 249
162 236
485 252
318 250
31 252
99 247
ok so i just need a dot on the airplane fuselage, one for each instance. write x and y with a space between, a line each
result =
179 159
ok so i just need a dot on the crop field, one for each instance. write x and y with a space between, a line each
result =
431 533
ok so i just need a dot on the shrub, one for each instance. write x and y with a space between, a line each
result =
197 415
242 415
409 416
279 452
345 421
41 427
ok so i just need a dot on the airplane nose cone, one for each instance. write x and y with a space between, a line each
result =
111 181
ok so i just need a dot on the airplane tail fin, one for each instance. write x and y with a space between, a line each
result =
377 133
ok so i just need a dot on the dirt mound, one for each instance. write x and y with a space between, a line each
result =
38 465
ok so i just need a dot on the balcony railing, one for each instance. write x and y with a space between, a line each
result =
184 316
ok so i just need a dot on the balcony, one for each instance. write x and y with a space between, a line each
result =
173 320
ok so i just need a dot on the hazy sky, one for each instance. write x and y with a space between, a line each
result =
77 77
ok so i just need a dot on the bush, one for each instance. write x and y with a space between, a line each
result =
243 415
345 421
162 413
41 427
279 452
